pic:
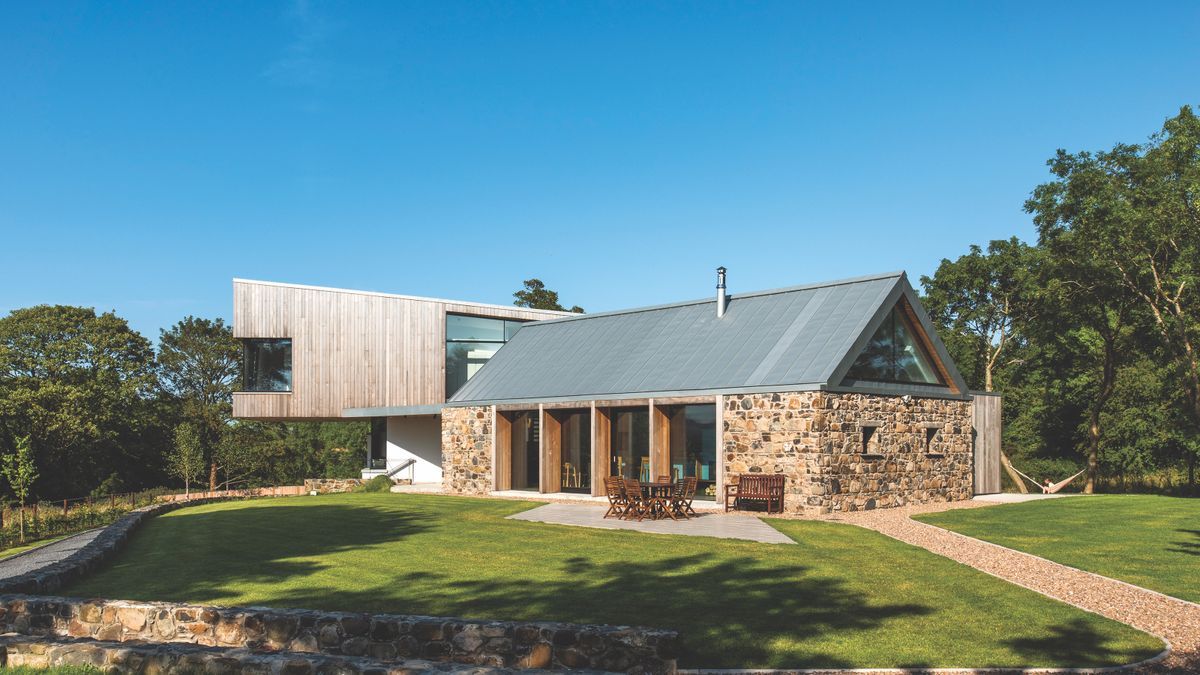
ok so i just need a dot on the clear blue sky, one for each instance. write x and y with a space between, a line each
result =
149 152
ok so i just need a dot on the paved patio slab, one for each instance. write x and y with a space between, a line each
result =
720 525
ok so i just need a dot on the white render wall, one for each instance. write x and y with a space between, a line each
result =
419 438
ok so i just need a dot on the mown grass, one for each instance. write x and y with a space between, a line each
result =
843 597
1146 540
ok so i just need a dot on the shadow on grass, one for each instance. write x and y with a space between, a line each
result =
1073 643
211 554
731 612
1187 547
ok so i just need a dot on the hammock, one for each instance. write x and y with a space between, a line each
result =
1048 488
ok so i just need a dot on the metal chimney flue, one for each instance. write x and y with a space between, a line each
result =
721 299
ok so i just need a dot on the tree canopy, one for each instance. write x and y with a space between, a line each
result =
535 295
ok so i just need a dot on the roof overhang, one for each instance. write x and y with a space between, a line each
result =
395 411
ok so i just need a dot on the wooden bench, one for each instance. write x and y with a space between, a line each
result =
757 488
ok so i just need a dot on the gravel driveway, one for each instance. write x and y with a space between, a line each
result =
1176 621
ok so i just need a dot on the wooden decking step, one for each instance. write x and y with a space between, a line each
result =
149 657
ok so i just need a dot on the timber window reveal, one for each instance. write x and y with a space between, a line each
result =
895 354
267 365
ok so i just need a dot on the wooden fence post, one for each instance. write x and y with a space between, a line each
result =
64 507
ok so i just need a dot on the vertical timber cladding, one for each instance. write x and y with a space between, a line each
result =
468 442
920 450
351 349
986 420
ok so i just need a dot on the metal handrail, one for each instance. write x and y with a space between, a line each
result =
403 465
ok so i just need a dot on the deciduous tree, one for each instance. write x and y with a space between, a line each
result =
20 472
1137 209
535 295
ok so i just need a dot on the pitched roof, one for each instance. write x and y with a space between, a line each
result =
797 338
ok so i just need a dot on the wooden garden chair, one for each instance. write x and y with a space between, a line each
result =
617 500
685 493
637 505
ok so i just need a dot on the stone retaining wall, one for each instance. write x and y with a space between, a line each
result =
17 651
327 486
380 637
815 439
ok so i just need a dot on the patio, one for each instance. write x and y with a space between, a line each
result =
720 525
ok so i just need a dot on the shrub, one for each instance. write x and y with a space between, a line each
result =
376 484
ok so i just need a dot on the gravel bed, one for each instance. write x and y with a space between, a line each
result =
1176 621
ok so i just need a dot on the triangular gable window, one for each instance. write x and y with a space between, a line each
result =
895 354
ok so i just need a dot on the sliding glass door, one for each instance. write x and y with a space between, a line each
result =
630 454
694 445
575 436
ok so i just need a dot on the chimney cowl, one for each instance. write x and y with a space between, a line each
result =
721 298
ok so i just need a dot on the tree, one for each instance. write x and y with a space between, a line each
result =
199 366
535 295
20 472
1088 312
984 299
186 458
82 387
1137 209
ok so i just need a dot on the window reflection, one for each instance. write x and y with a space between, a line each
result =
471 341
267 365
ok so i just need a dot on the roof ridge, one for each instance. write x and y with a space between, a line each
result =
752 294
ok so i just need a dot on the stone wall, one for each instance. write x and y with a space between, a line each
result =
387 638
467 450
326 486
151 658
50 578
815 439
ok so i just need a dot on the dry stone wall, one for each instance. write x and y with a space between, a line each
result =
328 486
467 450
918 450
386 638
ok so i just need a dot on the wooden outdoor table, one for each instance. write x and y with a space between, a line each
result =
659 489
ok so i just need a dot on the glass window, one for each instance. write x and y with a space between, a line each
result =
470 342
694 446
267 365
630 453
895 355
460 327
576 447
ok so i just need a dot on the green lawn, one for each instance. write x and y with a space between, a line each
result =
845 597
1147 540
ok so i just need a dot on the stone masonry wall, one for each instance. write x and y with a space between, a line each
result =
386 638
467 450
815 440
326 486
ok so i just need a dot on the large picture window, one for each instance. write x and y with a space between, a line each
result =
470 342
895 355
267 365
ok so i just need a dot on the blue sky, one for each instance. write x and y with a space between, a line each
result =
149 152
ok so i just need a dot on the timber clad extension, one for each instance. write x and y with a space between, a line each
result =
351 349
844 388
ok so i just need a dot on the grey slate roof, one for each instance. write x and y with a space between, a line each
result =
798 338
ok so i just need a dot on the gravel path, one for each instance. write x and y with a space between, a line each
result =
1176 621
37 558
